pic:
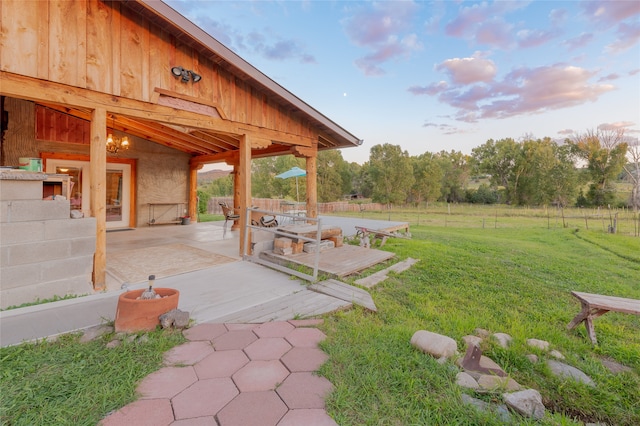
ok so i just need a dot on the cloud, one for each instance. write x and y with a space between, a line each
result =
523 91
383 29
278 50
431 89
579 41
609 77
628 35
607 13
468 70
615 126
566 132
533 38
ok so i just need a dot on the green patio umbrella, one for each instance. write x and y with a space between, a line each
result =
295 172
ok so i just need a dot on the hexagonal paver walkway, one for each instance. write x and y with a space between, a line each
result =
236 375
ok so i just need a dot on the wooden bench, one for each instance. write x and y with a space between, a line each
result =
595 305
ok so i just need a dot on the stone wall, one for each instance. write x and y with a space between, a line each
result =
43 252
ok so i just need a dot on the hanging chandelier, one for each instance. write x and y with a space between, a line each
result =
115 144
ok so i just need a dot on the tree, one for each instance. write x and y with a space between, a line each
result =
455 175
605 153
632 171
502 160
428 178
391 173
331 176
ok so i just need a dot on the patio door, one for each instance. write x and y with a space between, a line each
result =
118 188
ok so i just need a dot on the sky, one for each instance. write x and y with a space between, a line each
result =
443 75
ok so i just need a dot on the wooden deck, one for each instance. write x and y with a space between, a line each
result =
337 262
345 292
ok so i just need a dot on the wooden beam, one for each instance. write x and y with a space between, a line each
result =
312 186
243 190
97 201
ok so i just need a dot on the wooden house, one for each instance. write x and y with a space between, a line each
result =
78 75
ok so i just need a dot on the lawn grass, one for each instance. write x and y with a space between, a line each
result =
66 382
516 281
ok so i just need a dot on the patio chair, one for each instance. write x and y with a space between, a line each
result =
228 213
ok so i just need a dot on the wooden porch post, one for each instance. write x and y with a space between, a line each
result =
243 189
312 186
97 201
236 194
193 192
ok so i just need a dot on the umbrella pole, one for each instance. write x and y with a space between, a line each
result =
297 192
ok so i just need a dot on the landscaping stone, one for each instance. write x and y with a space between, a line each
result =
500 410
540 344
113 344
485 362
434 344
472 340
527 403
556 354
615 367
503 339
93 333
566 371
174 318
533 358
494 383
482 332
466 380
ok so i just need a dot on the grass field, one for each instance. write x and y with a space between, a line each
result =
512 280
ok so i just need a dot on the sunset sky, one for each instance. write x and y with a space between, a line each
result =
443 75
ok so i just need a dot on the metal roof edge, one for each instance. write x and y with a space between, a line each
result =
165 11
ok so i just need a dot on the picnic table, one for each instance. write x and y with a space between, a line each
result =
595 305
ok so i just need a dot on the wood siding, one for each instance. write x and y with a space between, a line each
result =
106 47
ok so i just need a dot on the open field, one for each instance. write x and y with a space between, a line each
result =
513 279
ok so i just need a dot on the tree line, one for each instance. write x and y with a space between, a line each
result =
582 171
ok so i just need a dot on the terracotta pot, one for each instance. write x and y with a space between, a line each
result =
142 315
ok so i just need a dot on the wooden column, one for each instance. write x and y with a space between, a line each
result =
98 190
193 192
312 186
243 189
236 194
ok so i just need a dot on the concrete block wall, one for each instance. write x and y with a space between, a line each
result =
43 252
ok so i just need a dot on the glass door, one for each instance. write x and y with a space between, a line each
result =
118 188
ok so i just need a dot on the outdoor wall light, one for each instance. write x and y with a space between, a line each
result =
185 75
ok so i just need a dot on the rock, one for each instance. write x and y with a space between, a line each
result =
527 402
566 371
500 410
76 214
434 344
485 362
482 332
616 368
540 344
472 340
142 339
533 358
175 318
503 339
556 354
113 344
466 381
93 333
495 383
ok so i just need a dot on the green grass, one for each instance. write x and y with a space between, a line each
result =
66 382
516 281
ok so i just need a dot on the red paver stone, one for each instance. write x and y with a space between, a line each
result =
204 398
188 353
236 327
205 331
306 322
304 390
304 359
305 337
273 329
198 421
167 382
260 376
308 417
234 340
265 349
144 412
221 364
253 409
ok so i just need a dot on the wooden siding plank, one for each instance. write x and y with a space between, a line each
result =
131 55
19 37
99 48
116 47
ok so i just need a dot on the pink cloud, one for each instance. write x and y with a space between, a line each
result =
617 125
579 41
628 35
607 13
523 91
468 70
431 89
566 132
383 29
533 38
609 77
